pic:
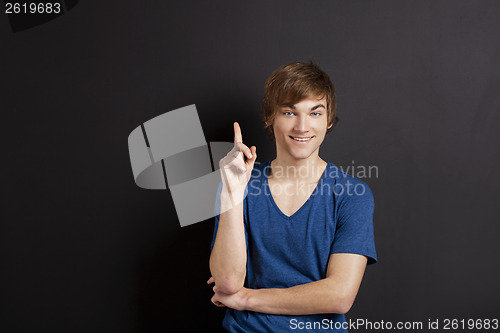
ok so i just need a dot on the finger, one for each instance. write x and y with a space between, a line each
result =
216 302
232 155
250 162
211 280
236 165
235 160
237 133
242 167
244 149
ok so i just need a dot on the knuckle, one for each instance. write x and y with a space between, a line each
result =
232 151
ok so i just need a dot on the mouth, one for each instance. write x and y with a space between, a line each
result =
302 139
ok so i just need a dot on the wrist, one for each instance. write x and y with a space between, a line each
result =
232 197
235 190
249 299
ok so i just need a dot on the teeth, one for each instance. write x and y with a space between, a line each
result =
301 139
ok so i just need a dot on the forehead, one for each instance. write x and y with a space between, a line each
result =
307 102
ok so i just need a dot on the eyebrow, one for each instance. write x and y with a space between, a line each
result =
312 109
317 107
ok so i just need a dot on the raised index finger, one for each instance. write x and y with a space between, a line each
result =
237 133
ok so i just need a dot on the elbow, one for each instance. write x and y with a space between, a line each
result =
230 289
341 304
343 308
228 281
229 286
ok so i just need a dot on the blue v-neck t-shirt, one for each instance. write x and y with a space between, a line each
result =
285 251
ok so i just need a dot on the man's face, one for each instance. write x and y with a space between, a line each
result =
300 129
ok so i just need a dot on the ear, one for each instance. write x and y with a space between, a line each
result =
330 126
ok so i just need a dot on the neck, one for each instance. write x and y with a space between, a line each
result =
288 168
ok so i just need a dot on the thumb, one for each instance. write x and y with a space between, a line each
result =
251 161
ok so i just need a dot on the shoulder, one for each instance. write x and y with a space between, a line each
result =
260 167
259 171
347 188
255 185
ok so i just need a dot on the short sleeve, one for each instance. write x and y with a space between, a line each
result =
354 228
217 216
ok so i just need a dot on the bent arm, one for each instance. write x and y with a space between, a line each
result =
229 255
334 294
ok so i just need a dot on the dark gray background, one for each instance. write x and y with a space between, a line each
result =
83 249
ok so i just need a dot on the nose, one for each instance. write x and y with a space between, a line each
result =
301 124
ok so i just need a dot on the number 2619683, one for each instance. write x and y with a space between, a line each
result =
32 8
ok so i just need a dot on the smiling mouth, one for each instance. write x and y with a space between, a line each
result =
300 139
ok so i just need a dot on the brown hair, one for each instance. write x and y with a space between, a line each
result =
294 82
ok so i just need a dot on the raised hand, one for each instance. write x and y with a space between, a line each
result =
235 171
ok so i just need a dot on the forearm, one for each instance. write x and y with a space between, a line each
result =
322 296
229 256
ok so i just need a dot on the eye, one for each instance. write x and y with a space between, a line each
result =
288 113
316 114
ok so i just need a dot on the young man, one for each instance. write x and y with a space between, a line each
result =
294 234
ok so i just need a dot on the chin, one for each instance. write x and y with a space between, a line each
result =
301 155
